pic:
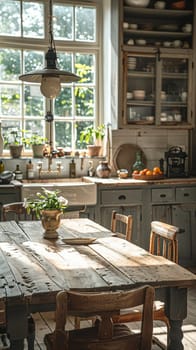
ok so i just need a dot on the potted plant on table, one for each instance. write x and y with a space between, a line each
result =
93 139
48 206
13 141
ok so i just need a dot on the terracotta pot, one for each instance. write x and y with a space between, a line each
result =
38 151
15 150
93 150
51 220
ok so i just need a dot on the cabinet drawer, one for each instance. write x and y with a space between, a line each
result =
163 195
186 194
121 197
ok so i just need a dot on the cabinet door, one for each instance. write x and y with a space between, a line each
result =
139 87
135 211
184 216
175 91
157 89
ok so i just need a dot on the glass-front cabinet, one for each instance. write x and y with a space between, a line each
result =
157 89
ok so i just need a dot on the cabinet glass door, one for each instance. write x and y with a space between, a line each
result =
174 91
139 89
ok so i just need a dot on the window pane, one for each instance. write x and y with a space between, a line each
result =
65 61
84 101
85 67
34 101
10 64
63 131
63 22
10 18
33 60
80 126
63 103
10 100
85 23
33 20
35 127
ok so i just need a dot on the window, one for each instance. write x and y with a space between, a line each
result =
23 43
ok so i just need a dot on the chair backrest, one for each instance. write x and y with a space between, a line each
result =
163 240
15 211
104 305
118 221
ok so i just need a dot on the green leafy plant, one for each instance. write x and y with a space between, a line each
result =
91 133
47 200
34 139
13 137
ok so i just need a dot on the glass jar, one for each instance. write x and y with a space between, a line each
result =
138 165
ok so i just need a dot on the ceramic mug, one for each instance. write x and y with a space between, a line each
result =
184 96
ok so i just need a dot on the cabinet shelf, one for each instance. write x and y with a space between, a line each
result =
156 33
157 13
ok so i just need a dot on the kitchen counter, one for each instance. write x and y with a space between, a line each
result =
115 181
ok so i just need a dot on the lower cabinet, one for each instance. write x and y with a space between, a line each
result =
175 205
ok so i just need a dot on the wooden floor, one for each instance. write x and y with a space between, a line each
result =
45 324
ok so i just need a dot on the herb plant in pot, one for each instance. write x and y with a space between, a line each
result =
93 139
48 206
13 141
37 143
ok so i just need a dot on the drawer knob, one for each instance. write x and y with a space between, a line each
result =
162 195
186 194
122 197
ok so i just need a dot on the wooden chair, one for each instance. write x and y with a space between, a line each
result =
16 211
123 220
104 335
163 242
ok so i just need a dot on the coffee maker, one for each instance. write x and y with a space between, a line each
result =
175 158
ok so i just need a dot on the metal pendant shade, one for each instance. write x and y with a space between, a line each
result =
50 76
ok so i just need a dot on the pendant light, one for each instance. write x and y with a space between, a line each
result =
50 76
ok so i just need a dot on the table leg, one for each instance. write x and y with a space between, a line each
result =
175 336
176 310
17 344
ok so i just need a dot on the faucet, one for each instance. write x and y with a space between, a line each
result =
49 169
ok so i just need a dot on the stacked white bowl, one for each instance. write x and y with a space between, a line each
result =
131 63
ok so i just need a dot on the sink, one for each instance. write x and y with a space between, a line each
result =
76 191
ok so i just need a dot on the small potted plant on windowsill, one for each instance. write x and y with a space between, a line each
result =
37 143
13 141
48 206
93 139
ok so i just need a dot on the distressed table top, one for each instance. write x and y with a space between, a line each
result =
35 269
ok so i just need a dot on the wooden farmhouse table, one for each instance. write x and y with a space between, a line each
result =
34 269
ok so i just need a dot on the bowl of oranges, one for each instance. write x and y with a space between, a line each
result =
148 174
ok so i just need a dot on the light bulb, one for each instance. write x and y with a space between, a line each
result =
50 86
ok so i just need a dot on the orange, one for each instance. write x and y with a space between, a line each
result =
135 172
149 172
156 170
